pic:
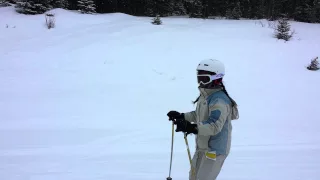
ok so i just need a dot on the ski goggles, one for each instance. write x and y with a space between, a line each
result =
208 78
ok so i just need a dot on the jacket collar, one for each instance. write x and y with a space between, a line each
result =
205 92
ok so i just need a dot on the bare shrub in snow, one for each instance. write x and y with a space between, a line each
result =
272 25
157 20
50 21
260 23
314 65
8 26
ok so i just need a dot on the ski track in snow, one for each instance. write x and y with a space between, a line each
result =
88 99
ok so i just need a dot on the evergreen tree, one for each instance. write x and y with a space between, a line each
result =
205 8
300 10
303 12
59 4
159 7
283 29
157 20
317 11
32 6
86 6
229 13
123 5
308 11
234 11
287 7
4 3
72 4
245 8
219 7
196 8
257 9
260 13
150 8
164 7
314 65
275 9
292 7
179 8
105 6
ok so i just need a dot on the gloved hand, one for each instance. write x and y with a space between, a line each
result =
175 115
186 126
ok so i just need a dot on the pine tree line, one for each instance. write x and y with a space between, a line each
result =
39 6
299 10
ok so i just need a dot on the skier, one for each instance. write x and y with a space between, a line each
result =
210 122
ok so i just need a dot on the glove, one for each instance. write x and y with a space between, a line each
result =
186 126
175 115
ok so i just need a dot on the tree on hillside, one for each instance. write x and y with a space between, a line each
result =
257 9
314 65
234 11
245 8
304 11
159 7
317 10
219 7
179 8
157 20
86 6
4 3
195 8
300 10
59 3
283 30
32 6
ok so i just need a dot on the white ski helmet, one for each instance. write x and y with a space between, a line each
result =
213 66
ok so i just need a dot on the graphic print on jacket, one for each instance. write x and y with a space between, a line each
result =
213 115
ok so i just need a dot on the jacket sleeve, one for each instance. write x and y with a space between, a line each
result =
218 112
190 116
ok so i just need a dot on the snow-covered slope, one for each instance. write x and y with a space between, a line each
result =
88 99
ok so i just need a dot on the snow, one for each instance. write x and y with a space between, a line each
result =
88 99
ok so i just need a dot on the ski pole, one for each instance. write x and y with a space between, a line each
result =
169 178
189 154
187 144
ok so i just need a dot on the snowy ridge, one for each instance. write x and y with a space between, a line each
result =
88 99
